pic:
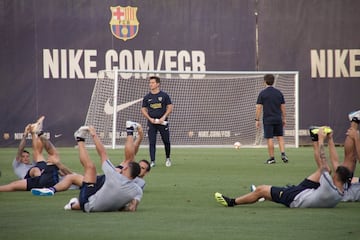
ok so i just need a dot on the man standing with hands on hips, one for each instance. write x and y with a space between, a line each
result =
156 108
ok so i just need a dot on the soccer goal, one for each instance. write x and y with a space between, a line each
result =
211 108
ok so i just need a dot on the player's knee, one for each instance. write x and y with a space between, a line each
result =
35 172
261 189
90 167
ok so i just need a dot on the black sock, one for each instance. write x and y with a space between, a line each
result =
356 120
80 139
130 131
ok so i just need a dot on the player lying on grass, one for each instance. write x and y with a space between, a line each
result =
317 190
109 192
351 154
130 150
44 173
22 163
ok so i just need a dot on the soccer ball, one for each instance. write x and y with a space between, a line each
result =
237 145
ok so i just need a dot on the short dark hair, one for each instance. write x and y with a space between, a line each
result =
134 169
148 164
156 78
26 151
344 174
269 79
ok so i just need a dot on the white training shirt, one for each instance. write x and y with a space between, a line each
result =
21 169
325 196
140 181
352 194
116 192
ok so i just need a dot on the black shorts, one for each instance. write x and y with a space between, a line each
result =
89 189
48 178
41 165
285 195
271 130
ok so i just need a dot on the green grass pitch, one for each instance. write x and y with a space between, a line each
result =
179 203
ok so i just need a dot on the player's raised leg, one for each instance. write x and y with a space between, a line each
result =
88 165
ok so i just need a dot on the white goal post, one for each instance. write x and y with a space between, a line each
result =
211 108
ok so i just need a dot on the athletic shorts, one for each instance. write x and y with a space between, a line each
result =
285 195
271 130
41 165
48 178
89 189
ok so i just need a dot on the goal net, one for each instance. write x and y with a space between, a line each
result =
210 108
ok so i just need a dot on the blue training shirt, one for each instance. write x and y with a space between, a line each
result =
271 99
156 104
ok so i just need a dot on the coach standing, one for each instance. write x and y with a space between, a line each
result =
271 101
156 108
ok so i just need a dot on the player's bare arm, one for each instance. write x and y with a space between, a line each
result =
257 115
334 158
132 206
283 114
22 143
144 112
323 160
169 109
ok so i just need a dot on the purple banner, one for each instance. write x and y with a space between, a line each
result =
319 39
52 50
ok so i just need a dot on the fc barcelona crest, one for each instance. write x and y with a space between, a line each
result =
124 24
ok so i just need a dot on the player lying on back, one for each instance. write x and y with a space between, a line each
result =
319 190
